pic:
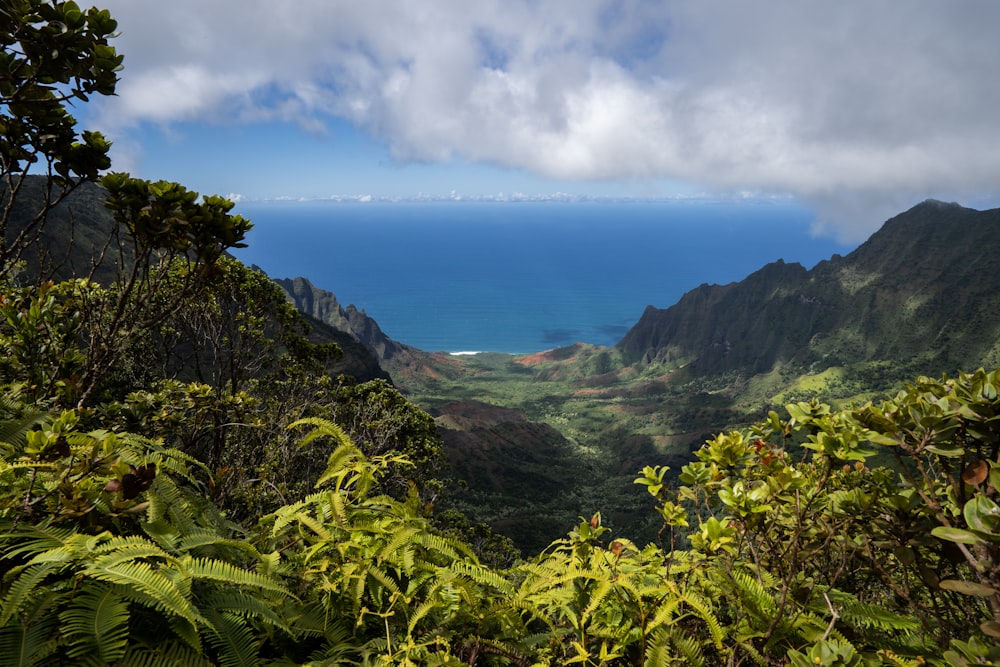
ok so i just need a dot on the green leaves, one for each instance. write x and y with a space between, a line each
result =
54 55
715 535
982 514
168 216
959 535
967 587
86 582
826 653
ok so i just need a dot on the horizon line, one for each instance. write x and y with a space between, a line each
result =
516 198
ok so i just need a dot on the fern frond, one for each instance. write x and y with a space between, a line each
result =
755 598
187 632
602 591
449 548
161 531
238 602
23 589
26 646
422 610
37 539
690 650
338 509
747 645
216 570
210 540
401 538
490 646
14 430
339 649
126 549
148 586
96 625
549 579
310 522
232 637
672 646
323 428
286 514
702 611
169 503
384 578
166 654
483 576
340 463
10 469
658 654
859 614
313 620
811 627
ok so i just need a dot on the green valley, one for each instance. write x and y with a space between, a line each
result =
561 433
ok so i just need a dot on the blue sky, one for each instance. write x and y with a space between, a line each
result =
276 159
856 109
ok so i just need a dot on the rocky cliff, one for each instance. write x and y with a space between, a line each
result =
926 285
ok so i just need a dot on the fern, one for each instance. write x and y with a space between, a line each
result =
703 611
690 651
125 549
25 588
323 428
383 578
242 604
338 509
450 549
170 505
211 542
161 531
147 585
858 614
597 596
400 539
483 576
236 643
310 522
165 654
422 610
96 625
37 539
14 430
754 598
289 514
227 573
26 645
658 653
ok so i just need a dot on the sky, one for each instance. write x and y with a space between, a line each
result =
858 109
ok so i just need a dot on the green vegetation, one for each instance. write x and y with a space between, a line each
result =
780 546
528 483
182 481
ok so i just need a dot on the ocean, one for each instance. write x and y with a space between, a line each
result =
522 277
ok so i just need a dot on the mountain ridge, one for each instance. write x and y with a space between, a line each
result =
898 294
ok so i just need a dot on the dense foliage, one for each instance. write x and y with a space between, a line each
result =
54 55
781 546
182 483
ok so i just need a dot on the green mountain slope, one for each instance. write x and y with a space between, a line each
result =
924 289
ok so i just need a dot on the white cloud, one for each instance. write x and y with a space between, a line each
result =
858 108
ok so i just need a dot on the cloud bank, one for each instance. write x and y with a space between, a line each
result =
858 108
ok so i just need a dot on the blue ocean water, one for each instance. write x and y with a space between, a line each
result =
522 276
